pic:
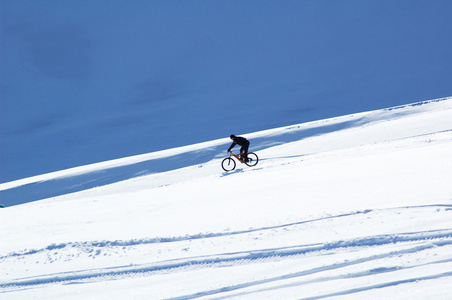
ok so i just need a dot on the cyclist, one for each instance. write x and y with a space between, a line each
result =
238 140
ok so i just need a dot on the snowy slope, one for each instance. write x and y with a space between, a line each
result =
353 207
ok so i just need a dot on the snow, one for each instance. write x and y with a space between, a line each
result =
352 207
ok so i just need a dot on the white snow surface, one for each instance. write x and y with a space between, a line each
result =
353 207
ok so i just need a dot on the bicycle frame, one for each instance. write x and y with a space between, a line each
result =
237 156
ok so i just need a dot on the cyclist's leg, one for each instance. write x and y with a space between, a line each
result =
244 150
241 153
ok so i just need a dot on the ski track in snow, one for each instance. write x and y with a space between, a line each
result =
429 240
414 242
435 239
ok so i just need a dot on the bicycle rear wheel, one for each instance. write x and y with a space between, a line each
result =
228 164
252 159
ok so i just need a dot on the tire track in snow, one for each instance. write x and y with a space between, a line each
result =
327 279
382 285
438 238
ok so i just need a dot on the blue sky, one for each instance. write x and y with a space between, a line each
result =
85 81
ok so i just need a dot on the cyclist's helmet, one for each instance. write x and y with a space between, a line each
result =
232 136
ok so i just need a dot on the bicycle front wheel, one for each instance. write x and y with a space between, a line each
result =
252 159
228 164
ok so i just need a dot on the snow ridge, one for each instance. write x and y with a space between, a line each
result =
108 172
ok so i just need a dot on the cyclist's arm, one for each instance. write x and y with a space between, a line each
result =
232 146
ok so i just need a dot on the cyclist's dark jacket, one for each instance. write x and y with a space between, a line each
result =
238 140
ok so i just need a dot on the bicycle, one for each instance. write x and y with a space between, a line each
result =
228 164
